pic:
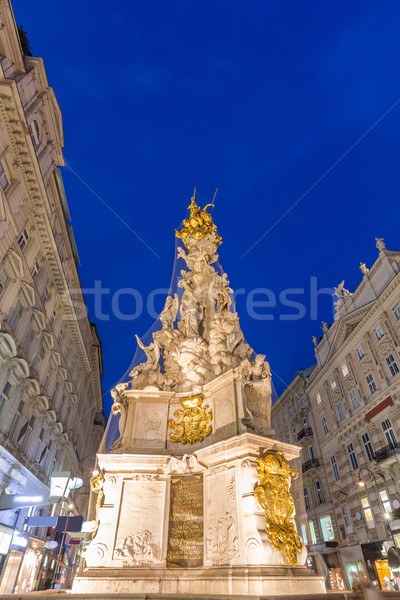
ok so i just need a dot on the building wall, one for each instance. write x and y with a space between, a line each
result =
50 354
354 396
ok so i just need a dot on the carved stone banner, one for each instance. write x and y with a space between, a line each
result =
257 407
185 540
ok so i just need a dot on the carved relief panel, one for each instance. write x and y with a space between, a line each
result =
221 526
140 532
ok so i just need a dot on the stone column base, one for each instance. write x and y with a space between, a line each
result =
232 581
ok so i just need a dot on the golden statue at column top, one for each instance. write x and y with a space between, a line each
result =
199 223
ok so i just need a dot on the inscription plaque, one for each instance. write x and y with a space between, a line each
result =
186 536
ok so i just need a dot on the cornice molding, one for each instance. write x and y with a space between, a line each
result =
13 116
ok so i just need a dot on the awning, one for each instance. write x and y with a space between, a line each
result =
393 558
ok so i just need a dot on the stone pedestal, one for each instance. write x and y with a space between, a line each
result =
189 526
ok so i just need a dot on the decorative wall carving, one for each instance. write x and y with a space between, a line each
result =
141 522
187 464
222 541
192 422
273 495
138 549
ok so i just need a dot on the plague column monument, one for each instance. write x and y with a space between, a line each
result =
194 496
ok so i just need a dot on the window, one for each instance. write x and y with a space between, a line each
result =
353 457
353 398
360 352
324 425
15 315
333 383
35 270
385 501
378 332
23 238
320 495
305 424
367 512
311 453
6 389
335 468
345 369
53 316
388 432
392 364
318 398
15 420
3 280
327 529
312 532
45 296
346 519
304 534
396 311
371 383
35 132
340 411
3 177
368 446
306 498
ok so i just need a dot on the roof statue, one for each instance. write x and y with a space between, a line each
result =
205 340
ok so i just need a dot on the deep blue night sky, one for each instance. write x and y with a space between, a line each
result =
257 98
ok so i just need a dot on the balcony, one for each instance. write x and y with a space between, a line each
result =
310 464
387 452
307 431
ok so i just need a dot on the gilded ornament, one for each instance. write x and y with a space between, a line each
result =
97 487
273 495
192 422
198 225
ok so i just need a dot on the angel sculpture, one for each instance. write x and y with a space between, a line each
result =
147 373
152 352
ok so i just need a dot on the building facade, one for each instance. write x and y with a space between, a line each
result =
50 354
353 394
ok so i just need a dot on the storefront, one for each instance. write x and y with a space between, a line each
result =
382 564
354 566
13 561
323 559
29 569
6 534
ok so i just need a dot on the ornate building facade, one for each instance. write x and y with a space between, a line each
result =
353 395
50 354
